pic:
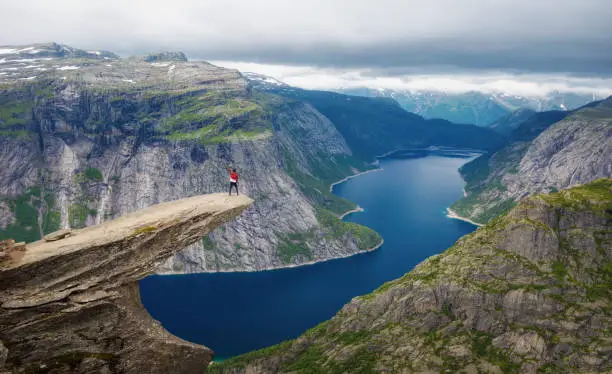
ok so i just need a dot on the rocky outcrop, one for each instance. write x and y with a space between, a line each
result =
165 56
547 154
529 292
73 304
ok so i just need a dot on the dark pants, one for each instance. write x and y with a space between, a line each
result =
233 184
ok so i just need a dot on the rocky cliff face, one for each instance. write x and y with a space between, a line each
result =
529 292
576 149
71 304
86 137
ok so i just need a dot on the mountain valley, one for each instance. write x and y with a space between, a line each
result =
88 137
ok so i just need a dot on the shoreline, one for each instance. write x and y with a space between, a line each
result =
356 210
331 186
453 215
309 263
472 151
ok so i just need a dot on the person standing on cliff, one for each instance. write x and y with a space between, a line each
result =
233 180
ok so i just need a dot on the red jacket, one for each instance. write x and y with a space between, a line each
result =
234 176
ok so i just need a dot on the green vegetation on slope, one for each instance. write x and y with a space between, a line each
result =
592 196
486 193
295 245
315 184
331 228
209 117
214 117
335 229
456 312
89 175
16 105
25 208
78 213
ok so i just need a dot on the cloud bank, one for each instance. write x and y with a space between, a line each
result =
383 41
534 85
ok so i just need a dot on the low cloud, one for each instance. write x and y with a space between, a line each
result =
513 84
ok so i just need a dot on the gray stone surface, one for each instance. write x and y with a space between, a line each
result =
57 235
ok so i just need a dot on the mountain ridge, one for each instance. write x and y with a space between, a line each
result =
478 108
549 151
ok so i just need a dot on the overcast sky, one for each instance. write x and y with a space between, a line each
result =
464 44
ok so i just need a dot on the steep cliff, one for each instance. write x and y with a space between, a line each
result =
548 152
529 292
87 136
71 304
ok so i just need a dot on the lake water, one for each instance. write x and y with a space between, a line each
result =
233 313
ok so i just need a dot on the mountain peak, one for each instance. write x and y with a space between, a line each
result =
62 63
36 51
165 57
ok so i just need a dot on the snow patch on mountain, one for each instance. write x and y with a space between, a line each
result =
69 67
264 80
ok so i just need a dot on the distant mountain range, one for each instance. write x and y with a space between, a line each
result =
481 109
477 108
376 125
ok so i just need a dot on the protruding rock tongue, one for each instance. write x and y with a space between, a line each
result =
73 304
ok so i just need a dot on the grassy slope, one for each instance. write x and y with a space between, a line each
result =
316 186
